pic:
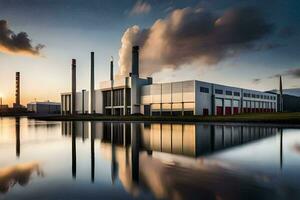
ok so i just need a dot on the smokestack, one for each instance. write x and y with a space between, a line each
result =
135 61
280 95
17 89
112 69
92 95
73 86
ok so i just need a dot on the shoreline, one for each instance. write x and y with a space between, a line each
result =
265 118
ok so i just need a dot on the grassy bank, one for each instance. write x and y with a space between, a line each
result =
281 118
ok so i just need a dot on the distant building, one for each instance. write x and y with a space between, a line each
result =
4 108
44 107
135 95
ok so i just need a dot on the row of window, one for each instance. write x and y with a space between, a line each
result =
218 91
257 96
237 94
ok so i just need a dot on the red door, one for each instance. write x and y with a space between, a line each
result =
227 110
235 110
219 110
205 111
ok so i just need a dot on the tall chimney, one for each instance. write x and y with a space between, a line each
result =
135 61
73 86
92 95
280 95
17 89
112 69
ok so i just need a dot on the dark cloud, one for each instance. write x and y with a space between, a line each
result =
256 80
294 73
193 35
16 43
286 32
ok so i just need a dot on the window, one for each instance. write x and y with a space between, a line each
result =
253 95
246 94
218 91
228 93
204 90
237 94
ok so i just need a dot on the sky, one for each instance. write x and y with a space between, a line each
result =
243 43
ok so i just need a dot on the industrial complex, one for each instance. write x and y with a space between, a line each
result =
135 95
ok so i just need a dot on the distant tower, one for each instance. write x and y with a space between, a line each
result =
17 103
280 95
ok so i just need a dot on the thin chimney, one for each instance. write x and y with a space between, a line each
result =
73 86
135 61
112 69
17 89
92 95
280 95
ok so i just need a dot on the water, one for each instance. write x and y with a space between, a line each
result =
102 160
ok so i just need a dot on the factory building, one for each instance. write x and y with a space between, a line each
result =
44 107
134 95
202 98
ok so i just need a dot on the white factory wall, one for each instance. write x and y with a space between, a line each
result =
98 102
203 100
79 108
169 96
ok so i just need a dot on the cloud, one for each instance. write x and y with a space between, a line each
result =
294 73
12 43
140 8
256 80
20 173
193 35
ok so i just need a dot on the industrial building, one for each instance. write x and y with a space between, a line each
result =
135 95
44 107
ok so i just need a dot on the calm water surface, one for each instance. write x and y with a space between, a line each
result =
103 160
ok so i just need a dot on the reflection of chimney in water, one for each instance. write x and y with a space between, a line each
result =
93 151
17 136
135 132
73 132
113 155
281 153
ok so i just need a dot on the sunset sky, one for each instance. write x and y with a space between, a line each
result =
243 43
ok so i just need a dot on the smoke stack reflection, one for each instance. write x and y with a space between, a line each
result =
93 151
73 150
18 137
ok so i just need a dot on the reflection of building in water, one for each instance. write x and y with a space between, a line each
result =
185 139
165 175
81 129
195 140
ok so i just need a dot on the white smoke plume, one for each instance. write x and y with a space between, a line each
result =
193 36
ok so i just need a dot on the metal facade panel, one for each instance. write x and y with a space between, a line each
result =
166 92
156 93
177 92
188 91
